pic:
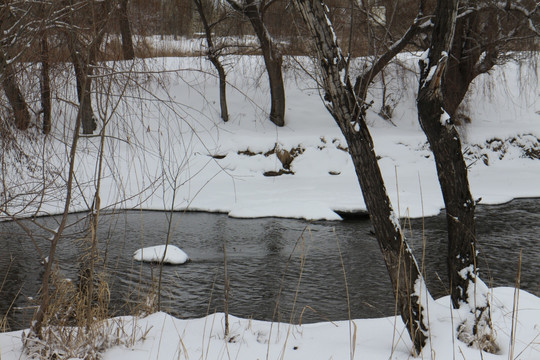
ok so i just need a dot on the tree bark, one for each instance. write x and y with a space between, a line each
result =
348 109
125 31
222 88
84 54
45 85
14 95
84 86
272 59
214 59
452 172
436 80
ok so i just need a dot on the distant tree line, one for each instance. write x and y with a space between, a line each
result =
83 32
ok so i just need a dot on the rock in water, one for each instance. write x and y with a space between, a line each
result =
174 255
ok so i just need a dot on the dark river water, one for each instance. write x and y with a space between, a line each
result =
282 269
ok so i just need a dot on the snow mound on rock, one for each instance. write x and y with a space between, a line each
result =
173 255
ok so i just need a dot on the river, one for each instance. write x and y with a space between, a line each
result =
281 269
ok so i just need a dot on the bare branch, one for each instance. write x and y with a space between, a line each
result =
364 80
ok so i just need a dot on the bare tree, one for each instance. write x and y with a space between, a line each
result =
45 83
88 22
213 54
21 114
463 45
346 103
125 30
254 11
13 22
45 298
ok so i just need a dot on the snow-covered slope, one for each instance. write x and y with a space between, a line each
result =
166 146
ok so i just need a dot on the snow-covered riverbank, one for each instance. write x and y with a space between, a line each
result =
167 147
160 336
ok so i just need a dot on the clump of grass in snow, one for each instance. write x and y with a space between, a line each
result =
71 332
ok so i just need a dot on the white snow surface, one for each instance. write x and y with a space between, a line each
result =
374 339
169 254
176 153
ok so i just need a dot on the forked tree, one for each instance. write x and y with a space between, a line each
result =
254 11
213 54
87 25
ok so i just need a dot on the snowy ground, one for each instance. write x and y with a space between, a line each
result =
167 148
160 336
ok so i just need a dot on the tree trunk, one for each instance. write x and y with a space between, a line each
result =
214 59
468 60
452 171
466 287
407 281
84 55
13 93
125 31
272 60
40 317
348 110
45 85
222 88
84 84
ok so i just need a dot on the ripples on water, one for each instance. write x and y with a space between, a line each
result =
279 269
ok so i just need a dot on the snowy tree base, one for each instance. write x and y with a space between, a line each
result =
480 335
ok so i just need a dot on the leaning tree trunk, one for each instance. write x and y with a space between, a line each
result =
407 281
273 61
13 94
452 171
214 59
436 122
349 113
465 286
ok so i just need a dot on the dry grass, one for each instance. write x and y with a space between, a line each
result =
71 332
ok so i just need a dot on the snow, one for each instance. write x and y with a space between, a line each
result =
165 337
169 254
153 143
445 118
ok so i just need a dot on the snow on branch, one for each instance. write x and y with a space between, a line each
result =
506 7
